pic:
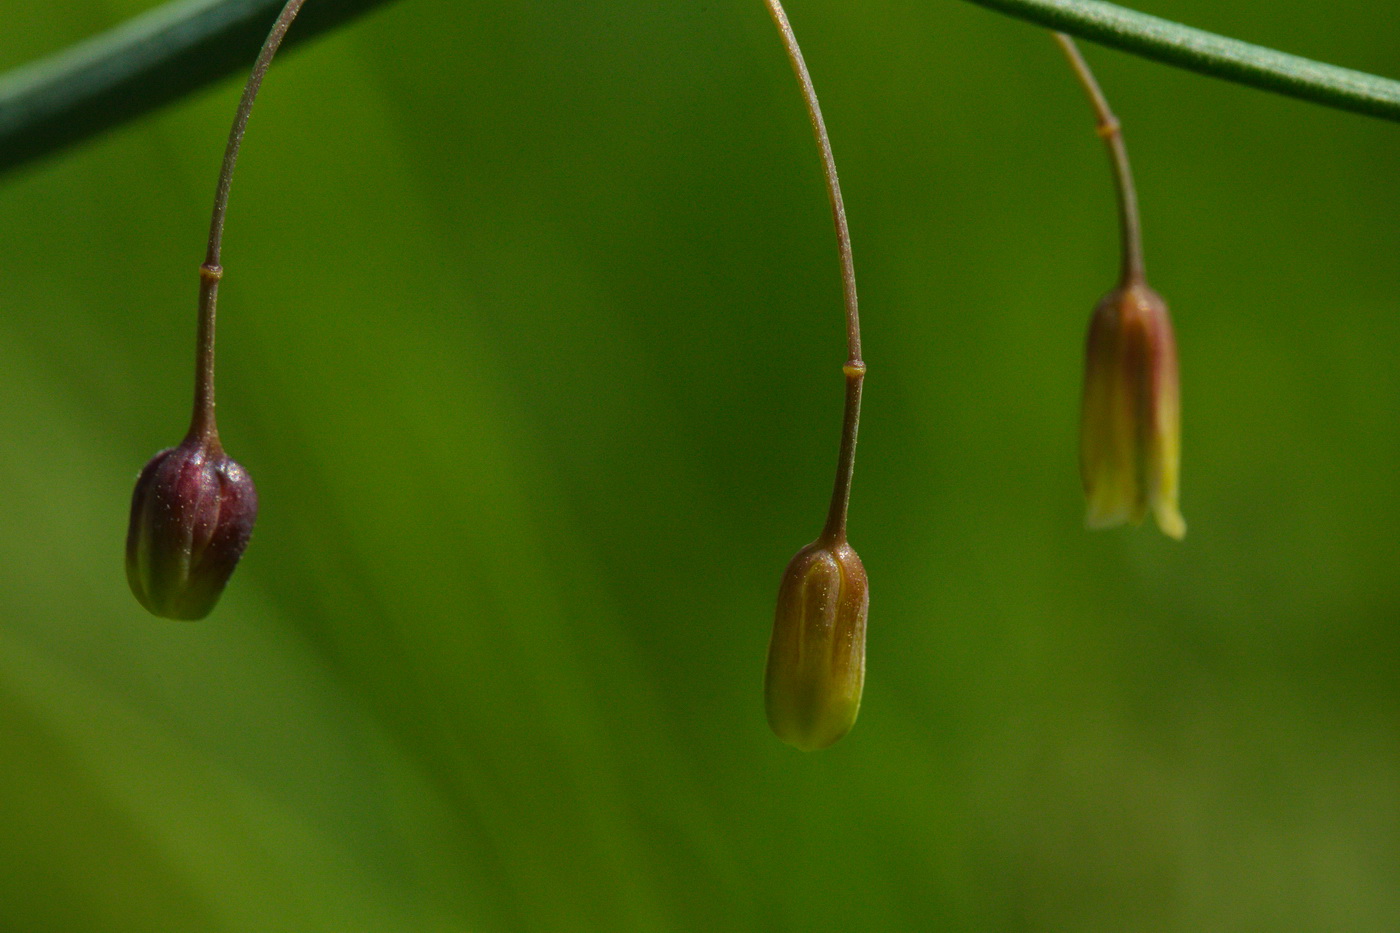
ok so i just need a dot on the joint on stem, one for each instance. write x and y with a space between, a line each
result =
1110 128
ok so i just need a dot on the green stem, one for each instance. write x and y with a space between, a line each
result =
1129 224
834 532
202 424
1207 53
165 54
134 68
833 181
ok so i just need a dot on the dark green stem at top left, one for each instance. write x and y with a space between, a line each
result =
143 64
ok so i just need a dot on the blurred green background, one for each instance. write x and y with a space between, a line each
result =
531 339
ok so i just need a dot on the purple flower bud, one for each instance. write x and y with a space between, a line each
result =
191 517
816 658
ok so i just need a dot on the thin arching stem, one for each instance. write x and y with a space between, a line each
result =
1112 133
835 529
203 425
833 184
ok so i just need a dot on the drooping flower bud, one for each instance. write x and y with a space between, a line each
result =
1130 432
191 517
816 657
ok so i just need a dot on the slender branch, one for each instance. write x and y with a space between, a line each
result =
202 424
1112 133
835 529
169 52
1207 53
269 48
833 183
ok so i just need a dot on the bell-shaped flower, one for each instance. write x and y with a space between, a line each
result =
1130 432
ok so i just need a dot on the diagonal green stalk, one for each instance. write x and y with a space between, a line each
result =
134 68
1207 53
187 44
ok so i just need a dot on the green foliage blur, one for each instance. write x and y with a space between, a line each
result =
531 339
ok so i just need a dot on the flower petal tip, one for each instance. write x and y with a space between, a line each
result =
1170 521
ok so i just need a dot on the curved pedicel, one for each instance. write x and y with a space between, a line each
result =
193 509
816 656
1130 420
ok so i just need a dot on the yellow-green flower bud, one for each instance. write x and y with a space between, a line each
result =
816 657
1130 432
192 514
